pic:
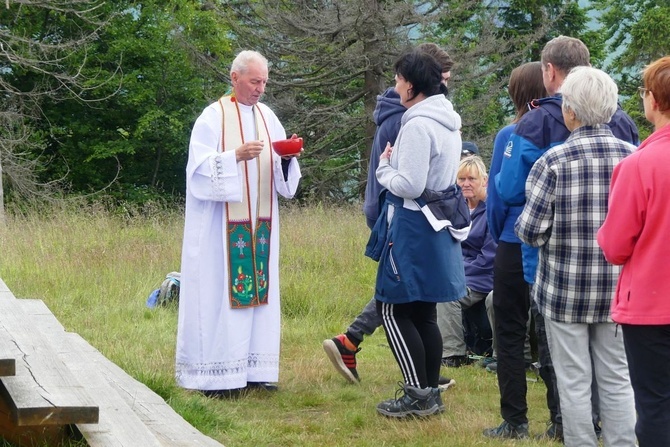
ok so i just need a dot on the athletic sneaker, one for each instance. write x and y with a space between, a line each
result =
413 402
444 383
507 431
343 359
554 432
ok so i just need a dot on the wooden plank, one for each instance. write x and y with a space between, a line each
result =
118 425
123 400
5 292
43 391
31 435
7 362
7 354
167 425
39 313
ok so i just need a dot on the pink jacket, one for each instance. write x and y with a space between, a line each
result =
636 232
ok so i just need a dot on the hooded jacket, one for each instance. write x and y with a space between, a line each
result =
427 151
387 115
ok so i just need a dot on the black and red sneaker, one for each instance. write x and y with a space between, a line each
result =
343 359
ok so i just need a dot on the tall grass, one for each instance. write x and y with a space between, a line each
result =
95 269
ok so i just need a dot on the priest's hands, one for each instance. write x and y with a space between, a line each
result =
249 150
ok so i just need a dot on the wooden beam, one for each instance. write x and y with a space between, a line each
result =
43 391
51 435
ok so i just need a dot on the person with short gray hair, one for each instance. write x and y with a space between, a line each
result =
591 94
566 202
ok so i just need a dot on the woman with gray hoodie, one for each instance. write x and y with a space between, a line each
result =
418 266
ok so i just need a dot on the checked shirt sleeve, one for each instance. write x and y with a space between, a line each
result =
535 223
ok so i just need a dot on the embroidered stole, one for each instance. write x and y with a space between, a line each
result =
248 245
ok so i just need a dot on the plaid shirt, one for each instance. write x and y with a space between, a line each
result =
566 203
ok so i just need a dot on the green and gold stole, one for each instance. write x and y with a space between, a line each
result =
248 246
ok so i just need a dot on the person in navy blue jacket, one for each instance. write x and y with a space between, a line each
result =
464 324
537 131
387 114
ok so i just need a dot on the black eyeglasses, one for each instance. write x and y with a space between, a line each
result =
643 91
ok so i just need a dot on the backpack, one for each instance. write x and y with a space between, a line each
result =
168 291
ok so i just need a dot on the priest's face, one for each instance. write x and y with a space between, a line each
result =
249 84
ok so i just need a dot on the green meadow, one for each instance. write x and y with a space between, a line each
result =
95 269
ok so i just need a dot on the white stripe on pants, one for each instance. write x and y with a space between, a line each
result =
399 346
572 347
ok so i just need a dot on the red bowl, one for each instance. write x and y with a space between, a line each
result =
291 146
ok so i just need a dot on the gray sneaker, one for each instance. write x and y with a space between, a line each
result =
413 402
507 431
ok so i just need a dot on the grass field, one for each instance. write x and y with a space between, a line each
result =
94 270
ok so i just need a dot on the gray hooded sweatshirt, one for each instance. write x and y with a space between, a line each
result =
427 151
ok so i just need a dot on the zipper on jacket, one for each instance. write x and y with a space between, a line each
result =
394 267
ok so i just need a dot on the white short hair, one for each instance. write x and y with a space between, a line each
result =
244 58
591 94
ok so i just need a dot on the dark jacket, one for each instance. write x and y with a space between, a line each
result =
479 249
387 115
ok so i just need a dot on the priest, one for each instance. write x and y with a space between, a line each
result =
228 331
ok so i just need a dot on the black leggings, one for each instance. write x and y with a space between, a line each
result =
413 335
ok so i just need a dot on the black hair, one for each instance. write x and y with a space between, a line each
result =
422 71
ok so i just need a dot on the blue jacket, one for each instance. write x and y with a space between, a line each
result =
539 130
387 115
478 252
416 263
500 216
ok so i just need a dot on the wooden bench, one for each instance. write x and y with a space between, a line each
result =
42 399
127 413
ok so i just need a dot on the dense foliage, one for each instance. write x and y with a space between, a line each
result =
101 97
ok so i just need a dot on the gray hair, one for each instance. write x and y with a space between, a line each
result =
244 58
591 94
565 53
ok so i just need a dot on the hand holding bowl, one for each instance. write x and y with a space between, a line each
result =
291 146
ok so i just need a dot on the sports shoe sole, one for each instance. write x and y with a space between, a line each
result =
435 409
446 386
336 359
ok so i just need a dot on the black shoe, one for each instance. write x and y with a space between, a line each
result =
507 431
265 386
413 402
554 432
342 359
444 383
455 361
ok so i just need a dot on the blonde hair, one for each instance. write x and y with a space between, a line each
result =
473 163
